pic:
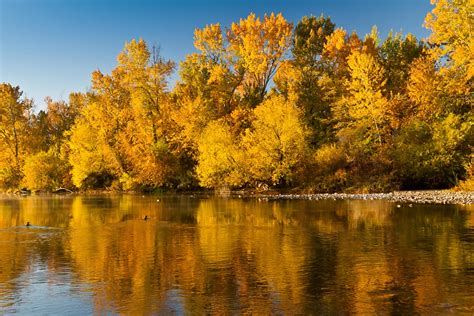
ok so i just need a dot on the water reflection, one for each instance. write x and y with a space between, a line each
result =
96 254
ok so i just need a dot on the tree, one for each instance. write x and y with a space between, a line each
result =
93 163
227 78
309 39
126 111
425 90
205 92
15 119
147 154
451 23
306 80
259 46
433 155
218 161
362 111
276 143
50 125
397 54
339 45
44 171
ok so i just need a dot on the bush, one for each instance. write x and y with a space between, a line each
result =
468 183
276 144
328 169
432 156
44 171
217 157
9 178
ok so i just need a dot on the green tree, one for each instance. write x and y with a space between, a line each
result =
309 39
397 54
306 79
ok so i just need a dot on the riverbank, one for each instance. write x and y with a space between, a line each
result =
421 197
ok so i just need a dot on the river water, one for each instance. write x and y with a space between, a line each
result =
207 255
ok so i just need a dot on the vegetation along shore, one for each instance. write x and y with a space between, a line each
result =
262 102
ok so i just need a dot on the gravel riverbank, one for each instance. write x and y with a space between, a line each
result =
424 197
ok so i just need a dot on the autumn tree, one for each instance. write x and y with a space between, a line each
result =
44 171
228 77
125 110
434 147
93 162
15 125
433 155
451 23
305 79
145 144
205 92
397 53
276 144
47 167
219 157
361 113
259 46
424 90
339 45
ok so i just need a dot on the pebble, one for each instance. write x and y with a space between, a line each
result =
419 197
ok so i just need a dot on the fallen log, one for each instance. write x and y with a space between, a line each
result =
62 190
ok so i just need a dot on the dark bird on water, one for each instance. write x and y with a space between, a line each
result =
28 224
146 217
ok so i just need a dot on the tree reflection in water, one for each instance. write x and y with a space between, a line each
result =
215 255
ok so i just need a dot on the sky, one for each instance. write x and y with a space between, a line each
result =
51 47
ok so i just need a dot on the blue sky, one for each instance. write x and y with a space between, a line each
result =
50 47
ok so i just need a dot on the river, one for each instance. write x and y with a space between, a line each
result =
208 255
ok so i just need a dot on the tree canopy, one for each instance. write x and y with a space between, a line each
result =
261 103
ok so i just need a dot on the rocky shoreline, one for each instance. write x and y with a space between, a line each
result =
421 197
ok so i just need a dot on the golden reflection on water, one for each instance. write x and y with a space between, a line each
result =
221 256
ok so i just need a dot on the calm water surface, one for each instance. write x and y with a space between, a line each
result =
96 255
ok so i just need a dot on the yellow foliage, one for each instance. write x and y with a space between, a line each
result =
452 23
329 159
220 120
89 154
335 42
424 88
362 112
218 157
260 46
15 113
468 183
259 43
44 171
276 142
209 40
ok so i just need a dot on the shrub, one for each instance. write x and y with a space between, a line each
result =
43 171
432 156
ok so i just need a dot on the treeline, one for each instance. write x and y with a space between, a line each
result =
261 104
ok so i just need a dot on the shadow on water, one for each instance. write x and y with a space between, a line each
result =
216 255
